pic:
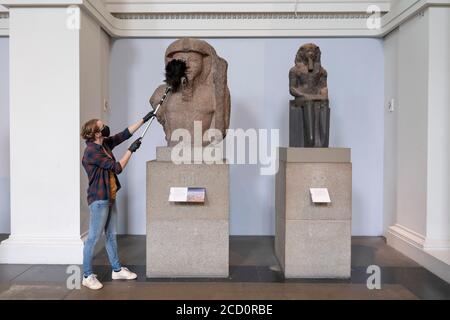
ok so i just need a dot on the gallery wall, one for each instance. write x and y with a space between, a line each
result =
258 81
4 136
417 135
412 130
417 140
94 86
391 76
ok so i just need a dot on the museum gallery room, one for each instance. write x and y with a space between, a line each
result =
224 150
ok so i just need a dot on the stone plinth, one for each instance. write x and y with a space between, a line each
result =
187 239
314 240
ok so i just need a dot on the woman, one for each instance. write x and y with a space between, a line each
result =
102 170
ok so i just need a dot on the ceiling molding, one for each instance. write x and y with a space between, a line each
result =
214 6
213 18
232 18
403 10
4 23
239 16
40 3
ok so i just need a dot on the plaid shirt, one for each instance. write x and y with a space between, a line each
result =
98 165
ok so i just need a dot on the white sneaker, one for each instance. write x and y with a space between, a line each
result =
123 274
92 282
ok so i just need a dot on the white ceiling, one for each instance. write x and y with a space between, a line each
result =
241 18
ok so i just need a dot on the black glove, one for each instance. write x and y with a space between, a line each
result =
135 145
148 116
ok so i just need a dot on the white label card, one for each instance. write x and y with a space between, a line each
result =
178 194
320 195
189 194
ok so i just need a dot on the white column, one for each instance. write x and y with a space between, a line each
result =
438 200
46 111
422 190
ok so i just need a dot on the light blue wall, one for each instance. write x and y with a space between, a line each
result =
4 136
258 81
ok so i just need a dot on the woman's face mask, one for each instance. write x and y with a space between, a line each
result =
105 131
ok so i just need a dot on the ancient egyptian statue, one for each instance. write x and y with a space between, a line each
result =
308 84
203 97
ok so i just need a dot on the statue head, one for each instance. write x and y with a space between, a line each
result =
204 97
309 55
197 54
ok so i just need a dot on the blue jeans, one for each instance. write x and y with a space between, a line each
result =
103 217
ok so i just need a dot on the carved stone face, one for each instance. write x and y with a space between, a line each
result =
194 62
308 54
308 79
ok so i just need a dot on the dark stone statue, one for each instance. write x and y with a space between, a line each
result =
309 112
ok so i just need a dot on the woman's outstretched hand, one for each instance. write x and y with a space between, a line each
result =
148 116
135 145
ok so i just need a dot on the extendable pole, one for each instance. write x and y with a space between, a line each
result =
168 89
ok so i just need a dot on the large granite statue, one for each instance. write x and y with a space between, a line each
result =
204 97
186 239
308 84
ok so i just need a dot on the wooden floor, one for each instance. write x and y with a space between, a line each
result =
252 276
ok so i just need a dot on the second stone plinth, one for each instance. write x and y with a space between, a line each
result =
313 240
187 239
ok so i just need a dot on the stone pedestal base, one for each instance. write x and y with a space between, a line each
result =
314 240
187 239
